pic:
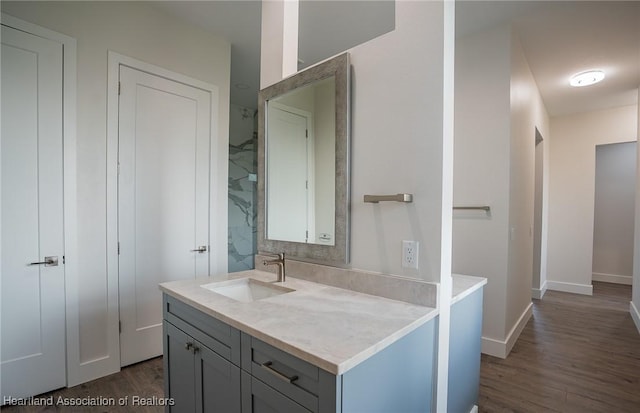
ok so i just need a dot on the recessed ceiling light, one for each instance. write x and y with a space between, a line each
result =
587 78
242 86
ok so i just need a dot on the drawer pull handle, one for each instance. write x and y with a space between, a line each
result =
267 366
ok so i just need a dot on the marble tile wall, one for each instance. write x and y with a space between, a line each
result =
243 145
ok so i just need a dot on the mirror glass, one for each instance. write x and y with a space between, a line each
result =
303 153
301 164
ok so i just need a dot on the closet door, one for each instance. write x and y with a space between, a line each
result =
164 135
33 297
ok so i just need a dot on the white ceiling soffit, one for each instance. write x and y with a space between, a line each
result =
561 38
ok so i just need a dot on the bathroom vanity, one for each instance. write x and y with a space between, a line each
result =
348 341
317 348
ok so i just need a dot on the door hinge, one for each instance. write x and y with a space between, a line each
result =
64 260
306 133
119 88
118 247
118 168
120 327
306 184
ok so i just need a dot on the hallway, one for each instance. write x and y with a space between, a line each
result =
577 354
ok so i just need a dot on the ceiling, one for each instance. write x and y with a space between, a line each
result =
559 38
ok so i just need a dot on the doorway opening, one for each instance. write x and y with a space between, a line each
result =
538 283
614 213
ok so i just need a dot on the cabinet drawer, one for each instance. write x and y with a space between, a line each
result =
295 378
257 397
216 335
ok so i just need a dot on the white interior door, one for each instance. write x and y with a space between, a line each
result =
33 300
287 176
163 200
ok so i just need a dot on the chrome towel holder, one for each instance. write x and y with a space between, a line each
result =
485 208
406 198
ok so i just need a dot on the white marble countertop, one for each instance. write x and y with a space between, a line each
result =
332 328
464 285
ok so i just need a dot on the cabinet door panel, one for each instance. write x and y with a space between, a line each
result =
180 377
217 383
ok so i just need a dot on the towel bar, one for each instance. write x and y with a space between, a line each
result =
397 198
485 208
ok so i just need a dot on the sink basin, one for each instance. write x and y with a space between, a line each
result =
247 289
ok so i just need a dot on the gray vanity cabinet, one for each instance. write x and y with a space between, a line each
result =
197 378
257 397
273 380
199 352
180 377
202 369
213 367
464 352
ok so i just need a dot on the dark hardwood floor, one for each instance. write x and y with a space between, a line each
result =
142 380
576 354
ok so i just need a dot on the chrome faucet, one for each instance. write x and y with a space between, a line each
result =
280 263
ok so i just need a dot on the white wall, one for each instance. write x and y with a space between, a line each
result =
527 113
614 209
572 189
635 303
481 167
142 32
402 105
498 107
397 146
396 141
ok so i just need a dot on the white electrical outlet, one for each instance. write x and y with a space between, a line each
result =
410 254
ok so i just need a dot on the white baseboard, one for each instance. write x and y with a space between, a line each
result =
612 278
493 347
501 349
635 314
538 293
474 409
584 289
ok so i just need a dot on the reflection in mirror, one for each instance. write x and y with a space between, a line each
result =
300 164
303 164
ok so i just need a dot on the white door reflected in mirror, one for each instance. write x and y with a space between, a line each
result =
300 155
